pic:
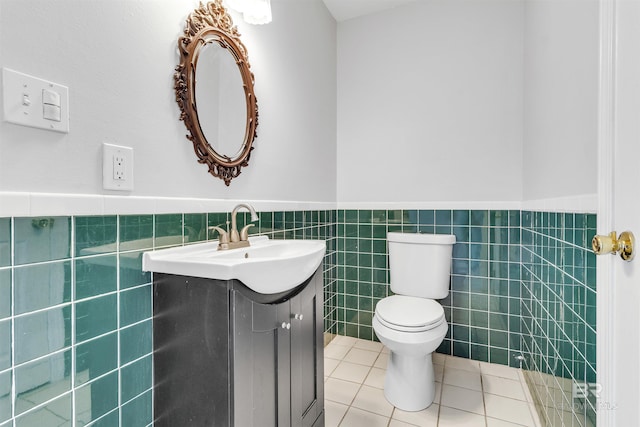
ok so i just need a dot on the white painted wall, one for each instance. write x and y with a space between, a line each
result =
118 57
430 103
560 98
438 101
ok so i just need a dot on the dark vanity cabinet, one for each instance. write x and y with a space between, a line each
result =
227 356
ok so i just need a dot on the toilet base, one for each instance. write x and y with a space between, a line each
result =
409 383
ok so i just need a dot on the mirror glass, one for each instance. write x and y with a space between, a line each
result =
220 100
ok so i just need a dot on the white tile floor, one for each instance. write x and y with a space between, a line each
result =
468 393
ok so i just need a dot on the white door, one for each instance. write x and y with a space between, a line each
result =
618 327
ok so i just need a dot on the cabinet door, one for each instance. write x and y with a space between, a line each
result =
260 397
307 367
191 352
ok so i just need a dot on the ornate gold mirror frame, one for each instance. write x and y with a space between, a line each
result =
205 25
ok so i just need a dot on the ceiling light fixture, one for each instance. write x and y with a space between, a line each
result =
256 12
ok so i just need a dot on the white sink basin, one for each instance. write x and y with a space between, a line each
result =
266 267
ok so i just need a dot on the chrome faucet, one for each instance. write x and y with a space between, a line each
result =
232 239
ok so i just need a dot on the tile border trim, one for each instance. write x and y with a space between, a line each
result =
38 204
584 203
24 204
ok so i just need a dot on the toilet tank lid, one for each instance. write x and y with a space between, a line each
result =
425 239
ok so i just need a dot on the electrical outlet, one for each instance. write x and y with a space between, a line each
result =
117 167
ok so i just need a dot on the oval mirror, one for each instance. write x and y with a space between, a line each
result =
214 89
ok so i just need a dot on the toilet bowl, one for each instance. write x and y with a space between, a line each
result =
412 323
412 328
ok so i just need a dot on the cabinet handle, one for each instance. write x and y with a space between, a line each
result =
286 325
299 316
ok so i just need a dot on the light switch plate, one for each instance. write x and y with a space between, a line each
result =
117 167
23 101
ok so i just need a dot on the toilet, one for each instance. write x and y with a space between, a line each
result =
411 323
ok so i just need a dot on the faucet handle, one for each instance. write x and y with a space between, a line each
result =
244 233
223 235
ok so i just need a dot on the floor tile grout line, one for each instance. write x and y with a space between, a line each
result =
440 397
362 384
350 405
484 402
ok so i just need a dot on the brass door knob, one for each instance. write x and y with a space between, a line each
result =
623 244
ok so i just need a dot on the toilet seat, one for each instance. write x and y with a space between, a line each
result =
409 314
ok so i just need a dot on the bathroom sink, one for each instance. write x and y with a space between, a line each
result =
267 266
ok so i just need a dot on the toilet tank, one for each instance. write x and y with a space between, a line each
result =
420 264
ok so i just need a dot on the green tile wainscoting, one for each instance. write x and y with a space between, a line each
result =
483 307
75 283
522 284
76 310
559 315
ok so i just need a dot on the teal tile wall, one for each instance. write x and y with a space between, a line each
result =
5 242
559 314
76 308
522 283
61 287
483 307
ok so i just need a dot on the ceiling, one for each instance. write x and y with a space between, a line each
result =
347 9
